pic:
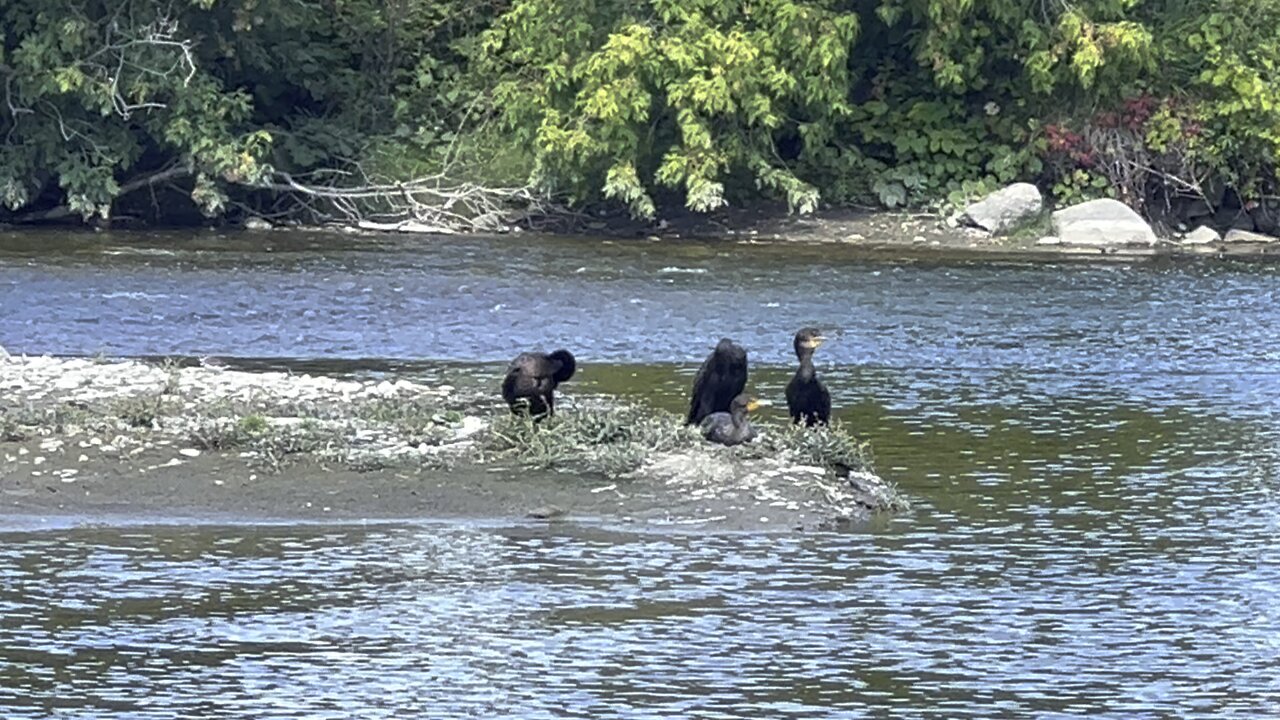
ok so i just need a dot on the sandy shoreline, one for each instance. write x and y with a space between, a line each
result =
87 438
219 489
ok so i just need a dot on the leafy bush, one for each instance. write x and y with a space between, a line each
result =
106 97
895 102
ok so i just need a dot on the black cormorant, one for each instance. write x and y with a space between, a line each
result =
722 377
807 398
733 427
532 378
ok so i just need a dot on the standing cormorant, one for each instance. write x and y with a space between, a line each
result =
731 428
807 398
532 378
722 377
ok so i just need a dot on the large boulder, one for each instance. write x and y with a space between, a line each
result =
1005 209
1102 223
1247 236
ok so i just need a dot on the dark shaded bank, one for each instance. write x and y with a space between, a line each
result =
93 438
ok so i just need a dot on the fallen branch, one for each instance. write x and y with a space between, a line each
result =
62 212
171 173
433 203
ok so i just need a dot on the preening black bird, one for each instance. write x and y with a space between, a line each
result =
531 381
807 398
722 377
733 427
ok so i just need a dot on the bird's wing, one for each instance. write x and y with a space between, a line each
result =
736 373
522 376
792 391
699 387
541 366
509 383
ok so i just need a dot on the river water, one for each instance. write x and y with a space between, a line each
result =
1092 453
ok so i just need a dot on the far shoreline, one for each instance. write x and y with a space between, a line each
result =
877 235
874 234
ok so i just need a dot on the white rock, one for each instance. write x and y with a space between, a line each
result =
1006 208
470 426
189 452
1203 235
809 469
1244 236
1102 223
173 462
69 382
257 223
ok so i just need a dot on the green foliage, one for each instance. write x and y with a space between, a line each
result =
96 89
614 441
611 441
623 97
1231 51
903 102
102 95
896 102
831 447
140 411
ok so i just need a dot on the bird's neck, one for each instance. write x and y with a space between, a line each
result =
806 364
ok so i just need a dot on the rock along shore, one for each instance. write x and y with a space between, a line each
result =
90 438
1013 224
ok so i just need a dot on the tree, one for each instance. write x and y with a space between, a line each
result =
674 94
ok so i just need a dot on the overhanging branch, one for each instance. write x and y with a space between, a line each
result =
62 212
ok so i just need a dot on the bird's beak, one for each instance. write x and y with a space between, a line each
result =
754 404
